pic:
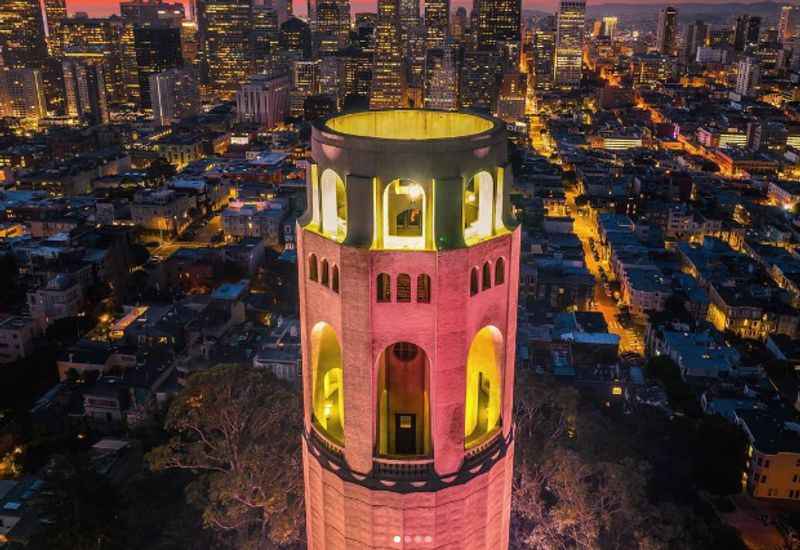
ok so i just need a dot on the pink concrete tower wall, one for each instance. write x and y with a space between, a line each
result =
453 497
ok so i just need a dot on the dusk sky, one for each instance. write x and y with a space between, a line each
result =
107 7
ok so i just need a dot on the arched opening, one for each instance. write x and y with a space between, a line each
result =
334 206
473 281
325 273
483 401
478 207
327 382
423 289
403 423
335 279
404 213
499 272
486 283
403 288
383 288
312 268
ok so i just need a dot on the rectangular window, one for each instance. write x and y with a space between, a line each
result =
763 479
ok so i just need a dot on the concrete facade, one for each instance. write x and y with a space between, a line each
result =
457 493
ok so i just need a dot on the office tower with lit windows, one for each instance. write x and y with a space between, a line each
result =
441 78
696 37
294 38
305 83
459 23
498 23
55 12
22 36
409 13
388 81
567 69
512 96
264 99
748 76
481 71
151 11
667 33
544 51
174 94
789 24
437 22
608 27
330 24
224 28
158 48
408 278
85 90
22 94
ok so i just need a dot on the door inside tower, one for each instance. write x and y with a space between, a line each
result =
403 409
406 430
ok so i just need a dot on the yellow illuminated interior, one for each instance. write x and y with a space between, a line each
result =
406 220
478 208
334 206
484 396
410 124
328 386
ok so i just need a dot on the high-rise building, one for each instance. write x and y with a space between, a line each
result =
264 99
388 82
85 91
409 13
789 23
264 40
22 36
408 260
753 33
746 32
158 48
55 12
109 40
608 27
696 37
512 97
650 69
151 11
174 94
459 23
567 68
295 38
190 48
441 78
667 34
22 94
305 83
748 77
437 22
544 51
481 71
498 23
225 29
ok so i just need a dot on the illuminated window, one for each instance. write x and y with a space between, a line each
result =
312 268
327 382
478 207
325 273
334 206
335 279
423 289
487 276
483 403
384 288
404 212
403 288
500 272
473 281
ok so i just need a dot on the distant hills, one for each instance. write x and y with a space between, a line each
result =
710 12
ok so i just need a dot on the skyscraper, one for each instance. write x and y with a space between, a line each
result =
459 22
104 39
746 32
408 275
498 23
22 94
696 36
305 83
264 99
512 96
174 94
667 35
441 78
789 23
409 13
609 27
388 83
437 22
158 48
55 12
544 48
480 75
569 42
748 77
294 38
85 90
22 36
225 28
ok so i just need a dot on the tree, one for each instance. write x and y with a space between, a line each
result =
720 453
239 430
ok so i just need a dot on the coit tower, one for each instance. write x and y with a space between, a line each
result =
408 259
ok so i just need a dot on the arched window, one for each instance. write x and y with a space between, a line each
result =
403 288
335 279
423 289
334 206
403 408
325 273
384 288
312 268
404 212
483 403
487 276
473 281
499 272
478 207
327 382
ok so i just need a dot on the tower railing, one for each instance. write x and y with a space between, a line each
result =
400 469
329 445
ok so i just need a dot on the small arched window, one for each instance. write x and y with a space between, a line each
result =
487 276
423 289
473 281
403 288
312 268
325 273
500 272
384 288
335 279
